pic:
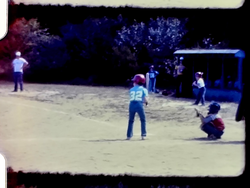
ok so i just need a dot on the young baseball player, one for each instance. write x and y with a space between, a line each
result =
152 78
138 96
202 89
213 124
18 64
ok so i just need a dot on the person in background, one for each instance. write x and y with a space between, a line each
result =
202 89
152 78
179 77
18 65
212 124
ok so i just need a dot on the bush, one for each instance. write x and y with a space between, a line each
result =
45 53
158 38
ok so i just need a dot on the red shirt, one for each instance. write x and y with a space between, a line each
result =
217 121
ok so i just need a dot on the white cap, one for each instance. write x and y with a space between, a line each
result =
18 53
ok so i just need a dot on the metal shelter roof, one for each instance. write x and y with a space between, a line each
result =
236 52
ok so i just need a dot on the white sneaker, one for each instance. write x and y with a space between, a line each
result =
212 137
128 138
143 137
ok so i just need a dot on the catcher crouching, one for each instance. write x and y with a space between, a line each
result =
212 124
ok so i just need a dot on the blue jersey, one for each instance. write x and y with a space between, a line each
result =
153 74
138 93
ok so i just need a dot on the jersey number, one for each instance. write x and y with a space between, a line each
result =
151 75
136 96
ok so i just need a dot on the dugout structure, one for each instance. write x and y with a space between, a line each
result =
223 71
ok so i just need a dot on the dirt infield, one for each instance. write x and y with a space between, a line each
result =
80 129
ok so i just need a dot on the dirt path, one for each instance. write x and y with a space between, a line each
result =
82 129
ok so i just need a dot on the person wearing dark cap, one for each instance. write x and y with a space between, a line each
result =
212 124
179 77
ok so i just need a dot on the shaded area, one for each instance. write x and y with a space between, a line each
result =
62 180
218 141
227 142
95 39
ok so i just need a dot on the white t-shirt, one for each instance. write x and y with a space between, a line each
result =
18 64
200 83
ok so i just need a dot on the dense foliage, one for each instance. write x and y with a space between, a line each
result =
43 51
104 49
109 48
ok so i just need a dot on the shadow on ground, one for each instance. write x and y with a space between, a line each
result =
226 142
219 141
198 139
112 140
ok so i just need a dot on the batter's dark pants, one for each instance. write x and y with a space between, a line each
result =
201 96
152 82
179 80
136 107
18 79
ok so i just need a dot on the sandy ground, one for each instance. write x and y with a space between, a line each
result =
79 129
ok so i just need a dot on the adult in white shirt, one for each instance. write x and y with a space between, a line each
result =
202 89
18 65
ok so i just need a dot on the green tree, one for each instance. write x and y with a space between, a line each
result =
125 63
160 37
44 52
90 46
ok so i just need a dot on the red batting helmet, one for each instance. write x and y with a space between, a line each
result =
139 78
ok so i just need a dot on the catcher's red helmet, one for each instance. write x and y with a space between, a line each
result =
139 78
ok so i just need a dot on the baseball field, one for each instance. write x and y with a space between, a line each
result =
82 129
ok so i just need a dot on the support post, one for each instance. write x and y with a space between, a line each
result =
193 68
222 74
240 60
207 77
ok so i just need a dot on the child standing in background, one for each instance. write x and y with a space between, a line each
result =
202 89
152 78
